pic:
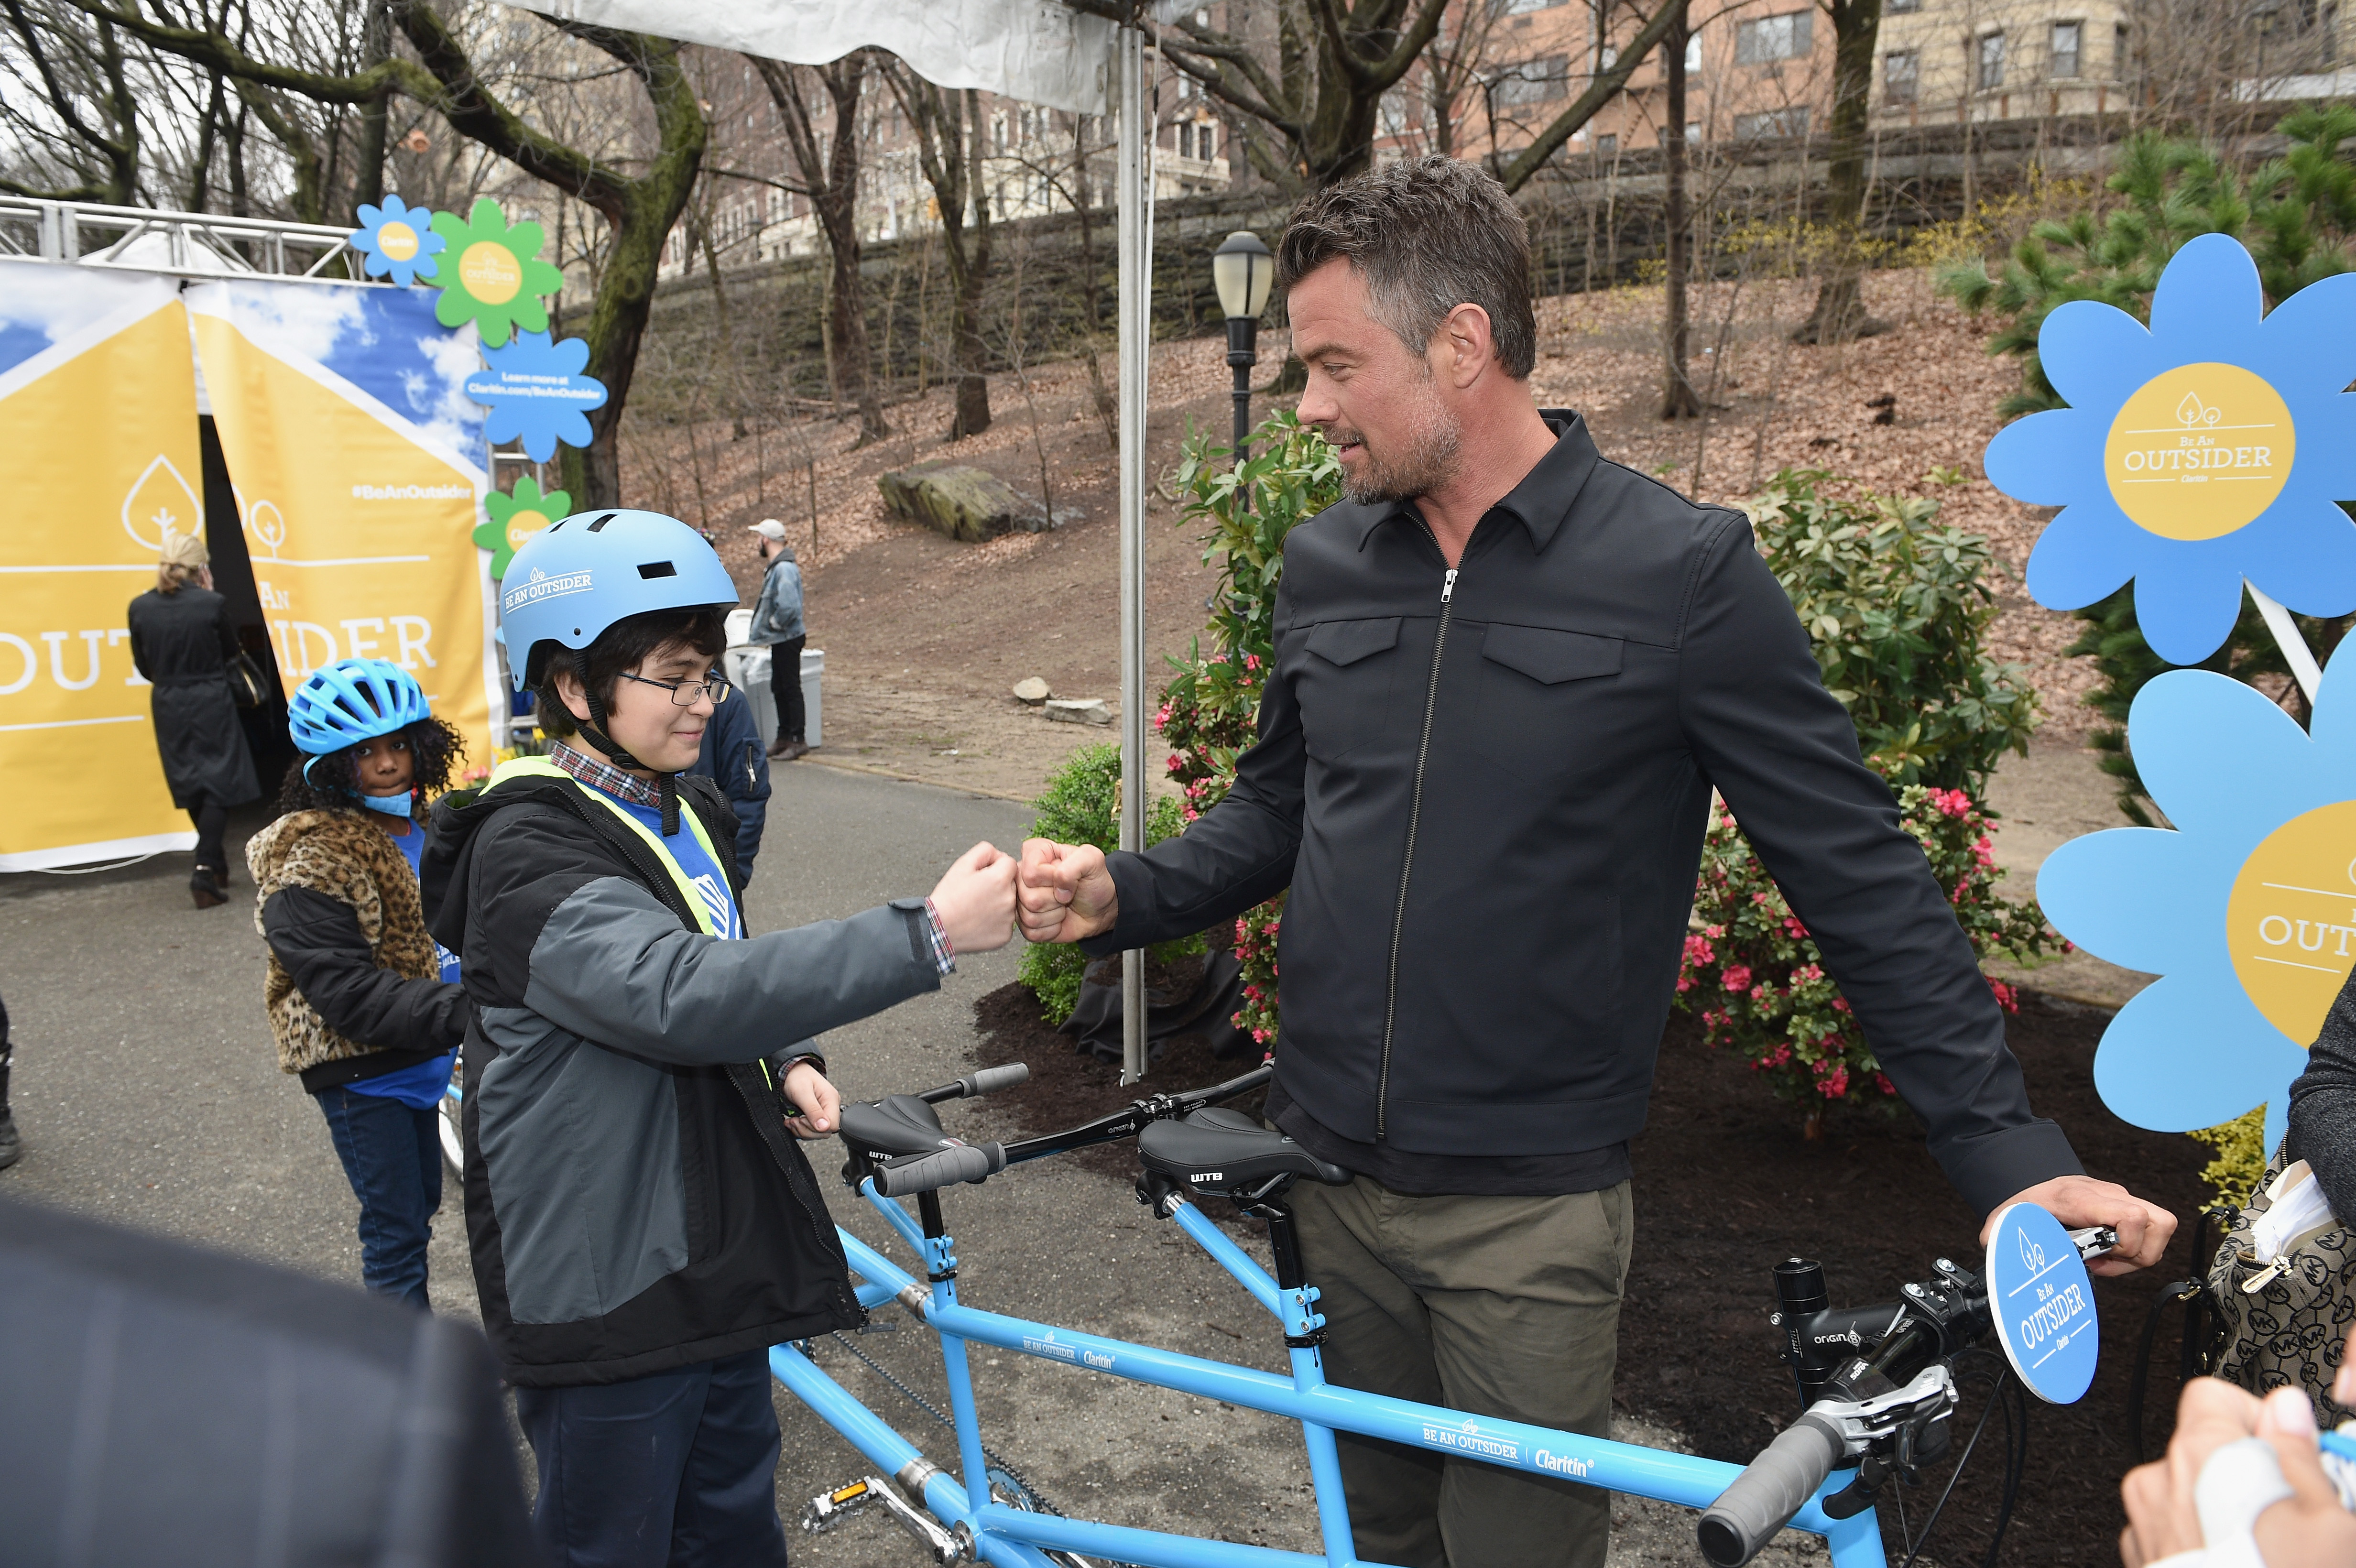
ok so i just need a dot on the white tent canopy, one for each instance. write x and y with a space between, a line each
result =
1039 51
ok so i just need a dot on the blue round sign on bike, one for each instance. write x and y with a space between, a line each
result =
2043 1304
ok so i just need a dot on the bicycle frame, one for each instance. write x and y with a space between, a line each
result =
1017 1538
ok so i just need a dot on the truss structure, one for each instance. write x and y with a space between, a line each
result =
183 244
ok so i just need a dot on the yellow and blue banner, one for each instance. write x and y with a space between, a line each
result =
357 461
98 415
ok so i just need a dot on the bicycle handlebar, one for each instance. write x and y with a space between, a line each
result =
1777 1485
989 1080
944 1168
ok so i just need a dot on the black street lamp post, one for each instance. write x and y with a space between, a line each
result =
1242 270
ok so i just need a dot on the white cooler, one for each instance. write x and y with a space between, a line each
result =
749 669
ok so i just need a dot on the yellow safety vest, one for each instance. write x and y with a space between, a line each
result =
541 767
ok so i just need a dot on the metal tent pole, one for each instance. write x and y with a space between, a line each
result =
1136 295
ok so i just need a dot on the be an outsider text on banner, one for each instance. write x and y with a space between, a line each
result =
98 414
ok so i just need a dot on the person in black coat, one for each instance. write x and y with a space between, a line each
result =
181 640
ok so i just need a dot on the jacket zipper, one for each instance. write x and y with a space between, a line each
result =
1407 862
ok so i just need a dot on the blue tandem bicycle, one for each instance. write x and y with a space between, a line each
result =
1877 1383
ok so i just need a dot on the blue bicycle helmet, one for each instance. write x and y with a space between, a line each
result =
353 701
583 572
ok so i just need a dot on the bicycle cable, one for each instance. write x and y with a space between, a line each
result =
2016 1459
921 1403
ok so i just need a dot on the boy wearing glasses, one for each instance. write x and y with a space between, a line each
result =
643 1228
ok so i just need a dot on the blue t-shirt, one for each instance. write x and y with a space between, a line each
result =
419 1087
708 879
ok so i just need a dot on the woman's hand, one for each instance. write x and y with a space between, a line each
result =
819 1101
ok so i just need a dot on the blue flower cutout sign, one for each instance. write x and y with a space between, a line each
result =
536 393
2205 449
2246 909
397 241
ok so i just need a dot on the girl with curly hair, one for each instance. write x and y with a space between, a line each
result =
365 1006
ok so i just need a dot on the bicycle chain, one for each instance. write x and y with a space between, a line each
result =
921 1403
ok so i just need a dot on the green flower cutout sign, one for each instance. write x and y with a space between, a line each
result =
492 274
515 518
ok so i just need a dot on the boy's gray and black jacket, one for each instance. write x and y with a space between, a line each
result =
634 1201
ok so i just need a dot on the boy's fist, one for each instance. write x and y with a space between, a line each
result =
975 900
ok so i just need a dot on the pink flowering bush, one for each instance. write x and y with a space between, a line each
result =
1754 976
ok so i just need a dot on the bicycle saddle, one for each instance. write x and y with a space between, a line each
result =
1228 1153
899 1123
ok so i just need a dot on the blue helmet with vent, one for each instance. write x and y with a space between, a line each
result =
353 701
583 572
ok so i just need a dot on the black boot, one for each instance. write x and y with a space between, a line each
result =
205 888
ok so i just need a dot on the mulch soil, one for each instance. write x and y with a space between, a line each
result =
1726 1188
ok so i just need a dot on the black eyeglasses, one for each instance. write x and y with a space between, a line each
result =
684 693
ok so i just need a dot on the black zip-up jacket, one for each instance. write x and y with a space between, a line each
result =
634 1201
1487 789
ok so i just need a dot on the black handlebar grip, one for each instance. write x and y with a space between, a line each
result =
991 1080
1777 1485
946 1168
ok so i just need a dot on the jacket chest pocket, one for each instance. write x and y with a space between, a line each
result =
1345 684
1540 692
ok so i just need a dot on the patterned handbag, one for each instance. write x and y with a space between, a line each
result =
2286 1321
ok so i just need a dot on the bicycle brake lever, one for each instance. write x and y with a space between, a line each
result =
2094 1240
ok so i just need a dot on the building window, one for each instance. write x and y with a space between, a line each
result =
1533 81
1990 63
1771 39
1693 53
1523 8
1900 8
1792 122
1901 76
1607 143
2065 48
1692 132
2119 51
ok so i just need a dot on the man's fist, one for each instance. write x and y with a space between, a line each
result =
976 900
1065 894
2081 1200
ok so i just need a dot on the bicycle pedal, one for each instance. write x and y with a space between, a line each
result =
826 1510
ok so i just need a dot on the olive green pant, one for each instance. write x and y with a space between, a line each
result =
1504 1307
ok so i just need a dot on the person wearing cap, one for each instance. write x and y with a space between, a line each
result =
639 1068
365 1009
777 626
182 642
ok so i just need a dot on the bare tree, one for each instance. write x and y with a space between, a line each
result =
1677 390
87 142
1309 90
1839 313
949 140
829 180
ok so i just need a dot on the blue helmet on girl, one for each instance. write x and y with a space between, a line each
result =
583 572
353 701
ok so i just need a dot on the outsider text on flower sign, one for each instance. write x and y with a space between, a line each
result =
2199 451
2291 920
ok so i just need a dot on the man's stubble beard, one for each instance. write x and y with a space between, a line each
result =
1426 463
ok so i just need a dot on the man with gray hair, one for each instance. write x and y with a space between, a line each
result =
1508 674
